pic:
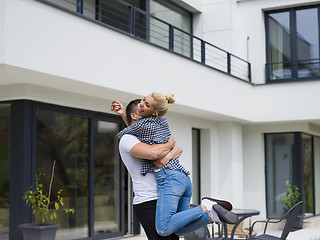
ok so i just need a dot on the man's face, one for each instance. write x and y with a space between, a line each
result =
146 106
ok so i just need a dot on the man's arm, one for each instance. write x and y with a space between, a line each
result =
152 152
174 153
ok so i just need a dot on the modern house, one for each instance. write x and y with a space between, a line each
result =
245 74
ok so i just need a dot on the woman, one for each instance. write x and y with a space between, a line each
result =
173 212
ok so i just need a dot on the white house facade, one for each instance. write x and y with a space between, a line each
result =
245 75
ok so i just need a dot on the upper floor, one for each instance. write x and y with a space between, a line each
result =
89 47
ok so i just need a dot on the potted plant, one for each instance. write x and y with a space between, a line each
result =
40 204
289 199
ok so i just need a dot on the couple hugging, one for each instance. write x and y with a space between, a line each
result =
161 185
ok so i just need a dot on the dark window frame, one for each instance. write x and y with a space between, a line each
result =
297 167
22 153
293 33
198 131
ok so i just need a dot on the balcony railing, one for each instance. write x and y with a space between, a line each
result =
293 70
128 19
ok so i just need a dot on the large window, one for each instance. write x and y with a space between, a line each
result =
88 169
5 126
292 45
106 178
292 157
64 138
279 169
176 16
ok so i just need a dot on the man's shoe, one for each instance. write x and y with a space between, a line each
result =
223 203
224 215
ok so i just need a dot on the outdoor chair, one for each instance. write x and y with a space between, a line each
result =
201 234
290 218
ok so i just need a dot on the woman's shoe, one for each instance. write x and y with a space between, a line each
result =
223 203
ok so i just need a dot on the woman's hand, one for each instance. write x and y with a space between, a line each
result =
117 107
174 153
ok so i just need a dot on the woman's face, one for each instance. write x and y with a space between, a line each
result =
146 107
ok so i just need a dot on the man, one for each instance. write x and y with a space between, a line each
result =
132 152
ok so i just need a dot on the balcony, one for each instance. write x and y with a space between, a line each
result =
293 70
139 24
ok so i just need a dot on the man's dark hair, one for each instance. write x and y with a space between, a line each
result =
131 108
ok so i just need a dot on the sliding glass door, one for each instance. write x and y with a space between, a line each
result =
5 130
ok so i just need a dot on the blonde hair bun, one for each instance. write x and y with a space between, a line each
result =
170 98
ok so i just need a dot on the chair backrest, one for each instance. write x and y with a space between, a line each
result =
291 217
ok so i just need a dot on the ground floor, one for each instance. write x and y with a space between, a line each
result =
245 163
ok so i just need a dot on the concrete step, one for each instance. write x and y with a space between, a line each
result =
311 222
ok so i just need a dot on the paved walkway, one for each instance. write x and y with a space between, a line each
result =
312 233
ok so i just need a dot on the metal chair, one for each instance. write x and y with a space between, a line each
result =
290 217
201 234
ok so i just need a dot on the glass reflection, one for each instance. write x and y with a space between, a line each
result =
316 147
106 178
175 16
279 45
64 138
307 42
307 172
279 169
5 126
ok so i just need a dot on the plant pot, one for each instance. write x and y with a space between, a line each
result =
34 231
298 223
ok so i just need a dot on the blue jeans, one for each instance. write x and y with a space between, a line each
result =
173 212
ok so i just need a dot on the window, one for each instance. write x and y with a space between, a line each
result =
316 147
307 174
171 13
115 13
106 178
5 125
279 169
196 166
293 157
292 45
176 16
66 138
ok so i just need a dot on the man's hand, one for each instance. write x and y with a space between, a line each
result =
174 153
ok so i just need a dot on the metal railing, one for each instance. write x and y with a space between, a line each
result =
128 19
293 70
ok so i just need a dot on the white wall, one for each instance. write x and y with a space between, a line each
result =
52 56
254 159
48 47
238 26
251 23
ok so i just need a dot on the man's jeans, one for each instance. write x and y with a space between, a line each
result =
173 212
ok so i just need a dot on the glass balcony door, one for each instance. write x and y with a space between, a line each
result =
293 44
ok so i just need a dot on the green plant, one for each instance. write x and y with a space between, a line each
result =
40 202
291 197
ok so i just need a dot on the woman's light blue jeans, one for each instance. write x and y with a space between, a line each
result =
173 214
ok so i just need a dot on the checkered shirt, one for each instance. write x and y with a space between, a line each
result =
152 130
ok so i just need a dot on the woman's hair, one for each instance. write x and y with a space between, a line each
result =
161 103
